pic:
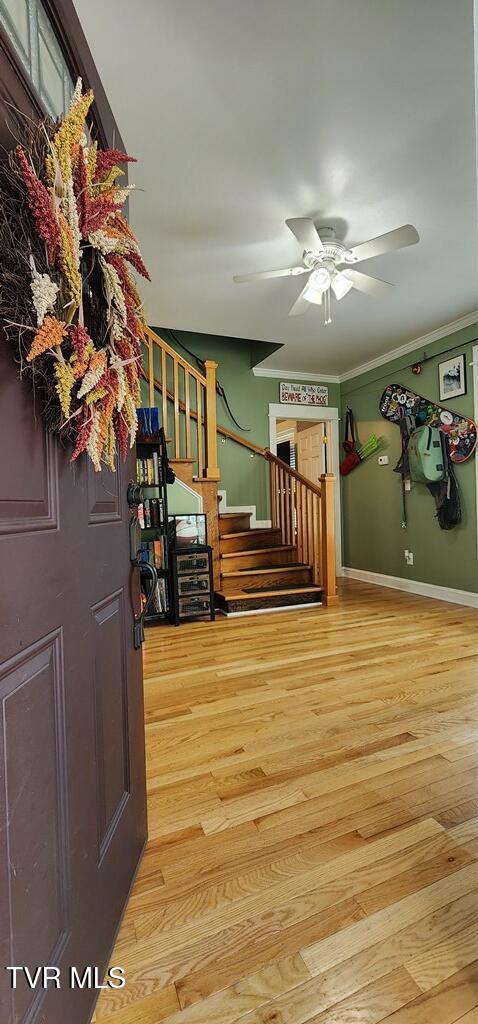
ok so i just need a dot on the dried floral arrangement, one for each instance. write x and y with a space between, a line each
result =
68 302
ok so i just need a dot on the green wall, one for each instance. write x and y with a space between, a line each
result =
371 495
373 538
245 478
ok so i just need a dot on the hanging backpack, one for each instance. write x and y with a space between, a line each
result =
352 458
445 492
426 459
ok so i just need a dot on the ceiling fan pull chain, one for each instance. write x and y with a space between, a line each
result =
328 318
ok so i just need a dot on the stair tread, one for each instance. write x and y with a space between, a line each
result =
262 530
313 588
287 567
256 551
233 515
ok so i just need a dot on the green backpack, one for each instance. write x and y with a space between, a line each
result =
426 457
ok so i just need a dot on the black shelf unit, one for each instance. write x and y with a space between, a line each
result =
192 580
151 475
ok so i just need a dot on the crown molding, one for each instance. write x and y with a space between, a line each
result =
292 375
395 353
425 339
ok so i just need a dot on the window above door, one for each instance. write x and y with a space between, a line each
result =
30 31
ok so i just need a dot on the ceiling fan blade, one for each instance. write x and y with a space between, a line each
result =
265 274
306 233
369 285
396 239
301 305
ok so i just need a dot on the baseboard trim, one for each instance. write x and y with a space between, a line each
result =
450 594
256 524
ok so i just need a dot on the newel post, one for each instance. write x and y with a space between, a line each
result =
212 469
327 513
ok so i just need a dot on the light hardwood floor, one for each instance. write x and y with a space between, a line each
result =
313 803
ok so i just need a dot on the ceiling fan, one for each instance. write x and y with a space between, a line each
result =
329 264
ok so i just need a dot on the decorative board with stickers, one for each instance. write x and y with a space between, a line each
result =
397 402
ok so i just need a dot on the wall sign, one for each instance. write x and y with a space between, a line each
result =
304 394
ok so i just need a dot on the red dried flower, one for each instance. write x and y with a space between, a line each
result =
96 214
109 380
85 426
118 263
79 339
127 284
107 158
136 261
40 203
120 427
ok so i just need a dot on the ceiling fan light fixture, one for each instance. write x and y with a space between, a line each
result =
318 283
341 286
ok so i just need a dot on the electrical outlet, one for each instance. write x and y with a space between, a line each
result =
408 485
408 557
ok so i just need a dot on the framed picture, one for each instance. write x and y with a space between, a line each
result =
452 378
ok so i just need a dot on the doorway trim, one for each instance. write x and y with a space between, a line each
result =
330 416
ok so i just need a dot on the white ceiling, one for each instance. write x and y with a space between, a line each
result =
359 113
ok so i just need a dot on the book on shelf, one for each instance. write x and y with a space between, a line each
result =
149 471
150 513
153 552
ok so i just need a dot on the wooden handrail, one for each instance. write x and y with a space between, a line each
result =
224 431
292 472
185 377
156 339
251 447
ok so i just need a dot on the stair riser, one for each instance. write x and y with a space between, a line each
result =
269 539
230 585
233 523
263 603
246 560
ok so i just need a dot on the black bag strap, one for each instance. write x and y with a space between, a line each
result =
349 425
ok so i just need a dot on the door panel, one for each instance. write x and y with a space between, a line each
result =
32 701
310 451
72 764
104 499
111 695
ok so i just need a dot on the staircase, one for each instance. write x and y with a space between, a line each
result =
258 571
293 562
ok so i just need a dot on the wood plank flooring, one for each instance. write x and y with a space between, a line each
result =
313 816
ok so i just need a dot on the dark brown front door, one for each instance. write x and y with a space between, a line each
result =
72 778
